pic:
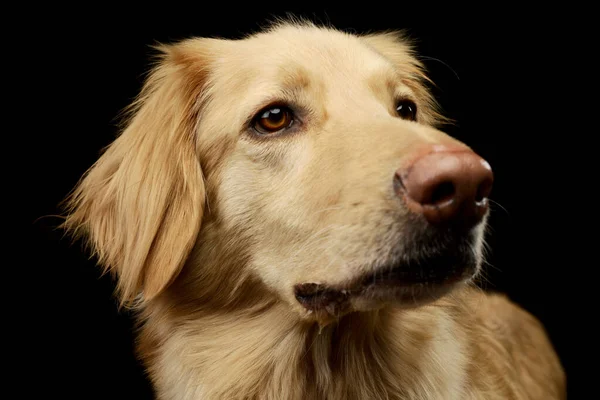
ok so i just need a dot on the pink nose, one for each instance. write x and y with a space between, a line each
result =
447 186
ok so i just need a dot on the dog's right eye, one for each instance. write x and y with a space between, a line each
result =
273 119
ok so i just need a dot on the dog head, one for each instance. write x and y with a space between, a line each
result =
302 158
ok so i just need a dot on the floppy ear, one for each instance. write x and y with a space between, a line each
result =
140 205
398 49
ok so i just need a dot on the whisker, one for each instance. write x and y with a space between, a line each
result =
493 202
441 62
489 264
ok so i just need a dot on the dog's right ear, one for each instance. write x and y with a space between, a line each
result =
140 205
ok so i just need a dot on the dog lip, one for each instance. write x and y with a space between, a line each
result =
314 296
390 280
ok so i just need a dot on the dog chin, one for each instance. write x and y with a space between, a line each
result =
393 287
408 280
404 296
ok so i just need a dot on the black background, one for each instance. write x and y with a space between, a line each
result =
500 73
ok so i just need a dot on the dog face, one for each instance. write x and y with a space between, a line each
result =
301 157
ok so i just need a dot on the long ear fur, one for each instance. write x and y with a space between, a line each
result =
140 205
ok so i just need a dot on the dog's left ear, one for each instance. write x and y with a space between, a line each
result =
140 205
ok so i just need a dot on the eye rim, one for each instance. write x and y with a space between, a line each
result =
261 130
406 103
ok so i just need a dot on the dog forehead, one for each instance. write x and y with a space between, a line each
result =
299 56
313 46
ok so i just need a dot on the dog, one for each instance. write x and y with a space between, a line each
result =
288 221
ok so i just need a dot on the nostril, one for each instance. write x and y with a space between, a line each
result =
398 184
442 193
479 197
483 191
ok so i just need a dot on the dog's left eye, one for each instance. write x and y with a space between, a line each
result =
406 109
273 119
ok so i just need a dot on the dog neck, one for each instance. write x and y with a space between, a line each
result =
387 353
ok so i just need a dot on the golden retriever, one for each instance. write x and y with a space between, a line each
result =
288 222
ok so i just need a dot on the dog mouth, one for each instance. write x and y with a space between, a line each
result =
408 281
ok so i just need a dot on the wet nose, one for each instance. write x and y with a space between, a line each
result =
446 186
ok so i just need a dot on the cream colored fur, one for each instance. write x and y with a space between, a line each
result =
208 227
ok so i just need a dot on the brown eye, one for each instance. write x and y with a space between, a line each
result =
407 109
273 119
